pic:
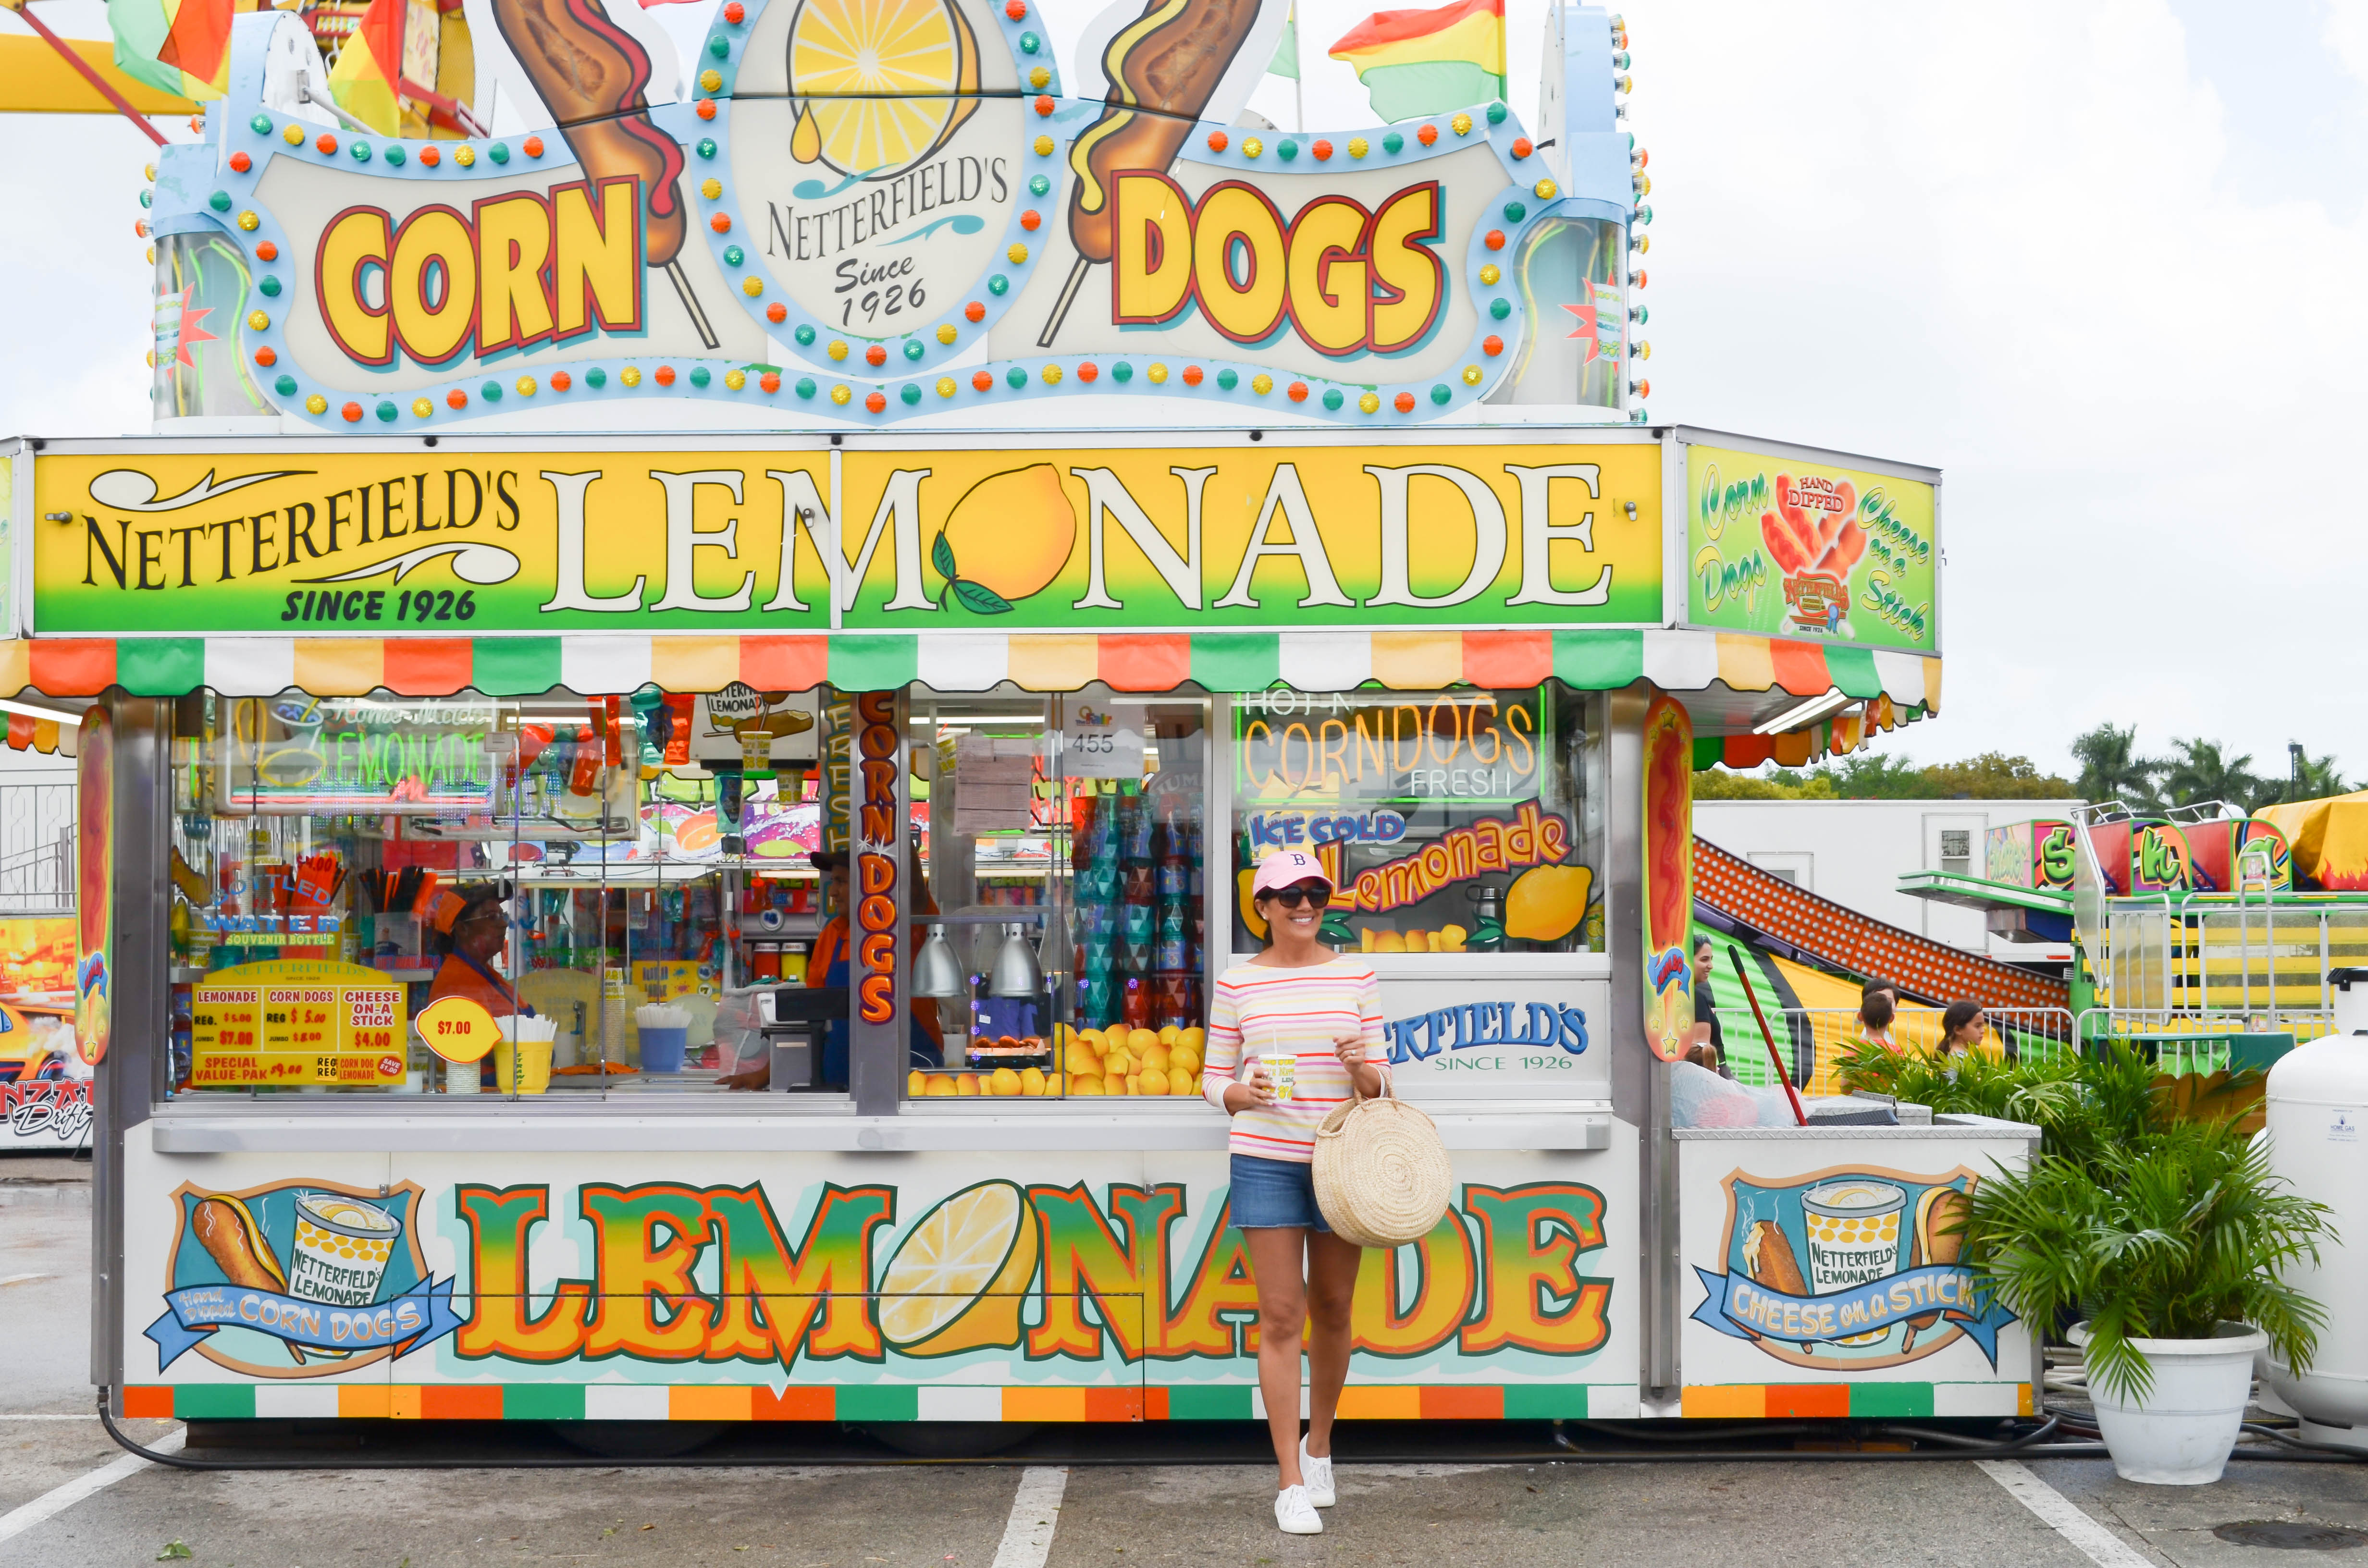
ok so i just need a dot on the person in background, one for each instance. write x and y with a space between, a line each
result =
1963 1028
1875 1014
1707 1029
827 966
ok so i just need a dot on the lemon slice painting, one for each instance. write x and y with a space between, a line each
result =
955 1280
879 85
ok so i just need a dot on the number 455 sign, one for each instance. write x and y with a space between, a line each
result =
1103 742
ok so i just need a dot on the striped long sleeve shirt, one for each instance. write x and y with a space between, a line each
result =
1260 1012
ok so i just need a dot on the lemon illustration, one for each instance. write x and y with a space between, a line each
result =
1183 1080
869 75
956 1279
1005 539
1547 902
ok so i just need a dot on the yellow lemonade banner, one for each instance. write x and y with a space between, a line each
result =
454 543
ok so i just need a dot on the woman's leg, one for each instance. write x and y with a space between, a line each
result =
1277 1254
1331 1282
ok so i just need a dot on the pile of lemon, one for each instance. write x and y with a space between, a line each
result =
1123 1061
1112 1060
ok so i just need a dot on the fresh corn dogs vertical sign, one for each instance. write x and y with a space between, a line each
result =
870 211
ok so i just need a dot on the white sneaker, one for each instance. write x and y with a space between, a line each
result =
1294 1515
1318 1475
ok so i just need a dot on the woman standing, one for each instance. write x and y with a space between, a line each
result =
1288 1032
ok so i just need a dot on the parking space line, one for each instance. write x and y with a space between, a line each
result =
1035 1510
58 1499
25 1278
2065 1518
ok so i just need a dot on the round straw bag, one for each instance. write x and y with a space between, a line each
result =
1382 1176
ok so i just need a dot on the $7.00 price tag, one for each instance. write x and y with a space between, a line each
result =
458 1029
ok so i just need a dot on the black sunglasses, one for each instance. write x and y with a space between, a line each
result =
1317 897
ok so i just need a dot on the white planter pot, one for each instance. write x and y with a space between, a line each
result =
2181 1432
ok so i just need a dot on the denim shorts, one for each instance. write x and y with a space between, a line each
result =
1272 1193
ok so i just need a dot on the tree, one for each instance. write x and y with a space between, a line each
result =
2110 768
2307 778
1994 776
1869 776
2202 774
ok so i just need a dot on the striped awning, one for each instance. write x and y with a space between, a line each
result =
598 665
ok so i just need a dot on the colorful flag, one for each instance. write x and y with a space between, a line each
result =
367 80
179 45
1423 63
1286 54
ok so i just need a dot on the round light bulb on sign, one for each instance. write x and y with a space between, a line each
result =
458 1029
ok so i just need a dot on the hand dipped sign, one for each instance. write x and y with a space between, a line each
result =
937 229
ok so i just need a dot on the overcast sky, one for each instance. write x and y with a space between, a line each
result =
2101 262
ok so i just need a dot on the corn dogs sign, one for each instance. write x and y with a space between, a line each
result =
939 229
1808 549
457 541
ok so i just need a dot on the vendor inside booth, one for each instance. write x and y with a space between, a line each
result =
475 930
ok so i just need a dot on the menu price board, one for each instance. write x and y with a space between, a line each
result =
296 1022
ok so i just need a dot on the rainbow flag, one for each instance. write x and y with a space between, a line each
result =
177 46
1423 63
367 80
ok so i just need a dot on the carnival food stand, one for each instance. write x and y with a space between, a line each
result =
621 592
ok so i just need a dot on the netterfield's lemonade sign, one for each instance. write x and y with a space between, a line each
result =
451 541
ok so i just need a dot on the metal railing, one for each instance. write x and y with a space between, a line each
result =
37 848
1815 1039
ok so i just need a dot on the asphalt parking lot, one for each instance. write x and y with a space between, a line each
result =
1066 1500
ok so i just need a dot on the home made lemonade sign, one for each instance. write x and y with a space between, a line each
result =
451 542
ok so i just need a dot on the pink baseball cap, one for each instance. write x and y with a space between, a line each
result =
1287 868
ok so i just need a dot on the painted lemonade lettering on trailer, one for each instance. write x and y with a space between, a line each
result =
683 1274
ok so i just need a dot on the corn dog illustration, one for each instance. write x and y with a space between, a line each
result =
1768 1256
233 1238
1938 1238
594 77
1163 69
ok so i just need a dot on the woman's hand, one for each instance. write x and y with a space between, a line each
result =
1258 1089
1351 1048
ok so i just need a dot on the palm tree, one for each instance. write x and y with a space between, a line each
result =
2308 779
2200 774
2110 768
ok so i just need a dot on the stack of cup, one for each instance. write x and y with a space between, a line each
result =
665 1031
522 1059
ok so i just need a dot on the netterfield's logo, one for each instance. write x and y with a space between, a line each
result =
298 1280
1851 1268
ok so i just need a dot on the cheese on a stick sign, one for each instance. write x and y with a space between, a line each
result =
876 209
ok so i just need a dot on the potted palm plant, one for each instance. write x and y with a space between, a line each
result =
2173 1244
